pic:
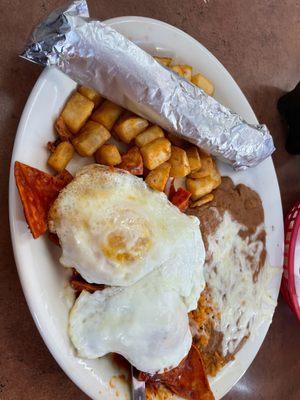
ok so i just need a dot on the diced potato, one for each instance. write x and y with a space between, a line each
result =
107 114
166 61
180 166
149 135
158 177
201 187
61 156
108 154
203 83
186 71
132 161
194 158
156 152
129 126
206 169
177 69
77 111
215 174
176 140
91 94
91 137
62 130
203 200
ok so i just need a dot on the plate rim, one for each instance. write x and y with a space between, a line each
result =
23 120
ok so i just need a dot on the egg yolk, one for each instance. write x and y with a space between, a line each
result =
129 241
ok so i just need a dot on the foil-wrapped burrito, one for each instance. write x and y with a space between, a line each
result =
96 55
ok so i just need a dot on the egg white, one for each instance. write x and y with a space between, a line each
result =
147 323
114 229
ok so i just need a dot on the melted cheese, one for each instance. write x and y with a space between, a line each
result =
229 275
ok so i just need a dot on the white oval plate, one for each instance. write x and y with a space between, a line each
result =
43 279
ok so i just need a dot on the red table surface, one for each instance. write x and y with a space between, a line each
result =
258 42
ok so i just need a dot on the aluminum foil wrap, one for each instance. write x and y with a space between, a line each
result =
96 55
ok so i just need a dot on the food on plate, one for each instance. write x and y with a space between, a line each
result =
158 177
186 71
135 247
235 241
129 126
132 161
194 159
146 322
183 70
79 284
156 152
118 235
203 200
62 129
203 83
91 94
206 167
91 137
150 134
179 161
188 380
77 111
177 69
107 114
61 156
200 183
166 61
181 199
201 187
37 191
114 230
108 154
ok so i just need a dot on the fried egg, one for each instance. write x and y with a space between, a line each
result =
147 323
113 229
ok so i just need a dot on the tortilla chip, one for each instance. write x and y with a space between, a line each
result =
37 191
188 380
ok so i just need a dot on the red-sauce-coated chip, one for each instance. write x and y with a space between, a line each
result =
38 190
188 380
181 199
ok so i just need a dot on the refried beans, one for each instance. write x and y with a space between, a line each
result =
231 262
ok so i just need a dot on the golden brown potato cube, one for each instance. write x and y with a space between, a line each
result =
203 200
215 175
91 137
156 152
107 114
132 161
108 154
179 162
203 83
194 158
61 156
77 111
200 187
186 71
166 61
158 177
206 169
176 140
149 135
129 126
91 94
177 69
